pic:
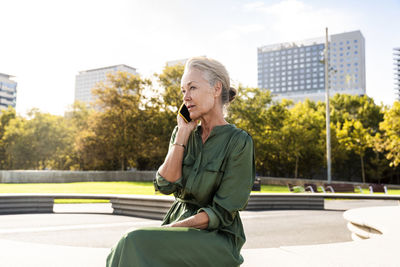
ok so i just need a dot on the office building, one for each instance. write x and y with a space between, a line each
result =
86 80
177 62
295 70
396 56
8 91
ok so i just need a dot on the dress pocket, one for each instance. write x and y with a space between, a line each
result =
214 166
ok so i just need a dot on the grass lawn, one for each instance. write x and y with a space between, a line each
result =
136 188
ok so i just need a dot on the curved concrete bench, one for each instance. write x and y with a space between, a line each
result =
155 207
377 234
374 222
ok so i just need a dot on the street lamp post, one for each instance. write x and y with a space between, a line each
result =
328 120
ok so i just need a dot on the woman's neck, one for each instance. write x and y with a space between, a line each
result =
209 122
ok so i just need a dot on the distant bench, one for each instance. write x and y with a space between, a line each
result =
343 188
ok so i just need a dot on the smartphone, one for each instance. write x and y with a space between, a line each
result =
184 113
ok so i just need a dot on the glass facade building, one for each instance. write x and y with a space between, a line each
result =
86 80
296 71
396 55
8 91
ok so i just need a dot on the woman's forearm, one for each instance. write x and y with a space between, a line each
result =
171 169
199 221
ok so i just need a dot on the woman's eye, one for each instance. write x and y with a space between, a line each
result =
183 92
192 87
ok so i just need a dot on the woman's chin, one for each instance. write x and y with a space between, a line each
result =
193 116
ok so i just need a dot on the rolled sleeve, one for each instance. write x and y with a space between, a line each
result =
166 187
213 220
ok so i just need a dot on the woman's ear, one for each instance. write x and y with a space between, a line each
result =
217 89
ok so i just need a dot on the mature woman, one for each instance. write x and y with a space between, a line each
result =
210 170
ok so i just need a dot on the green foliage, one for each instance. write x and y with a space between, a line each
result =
42 141
130 122
390 139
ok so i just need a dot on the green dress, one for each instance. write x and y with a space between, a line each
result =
217 177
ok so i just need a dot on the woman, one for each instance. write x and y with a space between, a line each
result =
210 170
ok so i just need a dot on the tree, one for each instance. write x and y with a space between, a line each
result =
301 138
355 137
42 141
6 116
112 139
389 141
254 111
352 117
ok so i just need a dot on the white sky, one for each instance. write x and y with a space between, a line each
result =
45 43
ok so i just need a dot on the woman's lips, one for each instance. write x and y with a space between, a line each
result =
190 107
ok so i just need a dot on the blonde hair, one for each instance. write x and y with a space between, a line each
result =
214 72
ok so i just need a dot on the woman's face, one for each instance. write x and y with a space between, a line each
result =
198 95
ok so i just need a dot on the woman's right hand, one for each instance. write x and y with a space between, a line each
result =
184 130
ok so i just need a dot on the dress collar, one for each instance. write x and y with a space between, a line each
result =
216 130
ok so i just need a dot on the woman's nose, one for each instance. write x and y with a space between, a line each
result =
186 96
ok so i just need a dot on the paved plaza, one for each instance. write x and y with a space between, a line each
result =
82 234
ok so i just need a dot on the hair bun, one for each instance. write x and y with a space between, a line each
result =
232 94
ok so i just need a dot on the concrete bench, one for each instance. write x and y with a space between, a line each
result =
155 207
